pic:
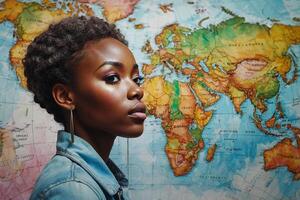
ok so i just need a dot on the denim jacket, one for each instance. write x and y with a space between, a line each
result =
78 172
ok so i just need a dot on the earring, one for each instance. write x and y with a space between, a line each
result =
71 127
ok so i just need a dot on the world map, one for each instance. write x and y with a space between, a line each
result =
221 88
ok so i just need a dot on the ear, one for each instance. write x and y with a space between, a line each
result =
63 96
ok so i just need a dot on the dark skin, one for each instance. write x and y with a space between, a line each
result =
105 95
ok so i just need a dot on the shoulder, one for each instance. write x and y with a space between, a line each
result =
72 189
63 179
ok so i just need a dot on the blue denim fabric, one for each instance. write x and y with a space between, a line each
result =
78 172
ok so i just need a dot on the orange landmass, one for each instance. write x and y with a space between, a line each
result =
283 154
147 48
187 71
115 10
166 7
296 132
11 9
271 122
139 26
211 152
181 158
147 69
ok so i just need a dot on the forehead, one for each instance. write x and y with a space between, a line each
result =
107 49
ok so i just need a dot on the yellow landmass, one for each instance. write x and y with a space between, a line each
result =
215 79
31 27
207 98
161 39
270 44
187 101
157 96
34 21
282 65
16 54
173 144
202 117
31 19
237 98
267 46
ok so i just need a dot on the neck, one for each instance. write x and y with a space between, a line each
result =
101 142
102 145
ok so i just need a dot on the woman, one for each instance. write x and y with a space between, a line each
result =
81 71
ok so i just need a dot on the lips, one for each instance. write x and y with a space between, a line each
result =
138 112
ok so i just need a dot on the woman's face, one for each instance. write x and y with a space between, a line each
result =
106 90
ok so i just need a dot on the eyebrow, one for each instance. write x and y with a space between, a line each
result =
115 63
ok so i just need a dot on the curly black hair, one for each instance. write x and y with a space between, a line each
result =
50 56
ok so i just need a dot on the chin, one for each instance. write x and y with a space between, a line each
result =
134 132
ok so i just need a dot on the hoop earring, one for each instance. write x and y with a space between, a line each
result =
71 127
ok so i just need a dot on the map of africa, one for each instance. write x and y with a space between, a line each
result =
221 88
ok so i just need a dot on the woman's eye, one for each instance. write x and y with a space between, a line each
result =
138 80
112 79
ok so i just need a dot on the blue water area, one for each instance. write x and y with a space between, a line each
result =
260 11
235 135
204 66
290 94
188 66
30 1
294 54
9 83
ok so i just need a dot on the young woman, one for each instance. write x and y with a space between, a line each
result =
81 71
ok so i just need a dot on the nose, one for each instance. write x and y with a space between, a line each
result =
135 91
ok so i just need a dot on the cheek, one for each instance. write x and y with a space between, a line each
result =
101 102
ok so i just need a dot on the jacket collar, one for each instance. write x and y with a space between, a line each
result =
84 155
